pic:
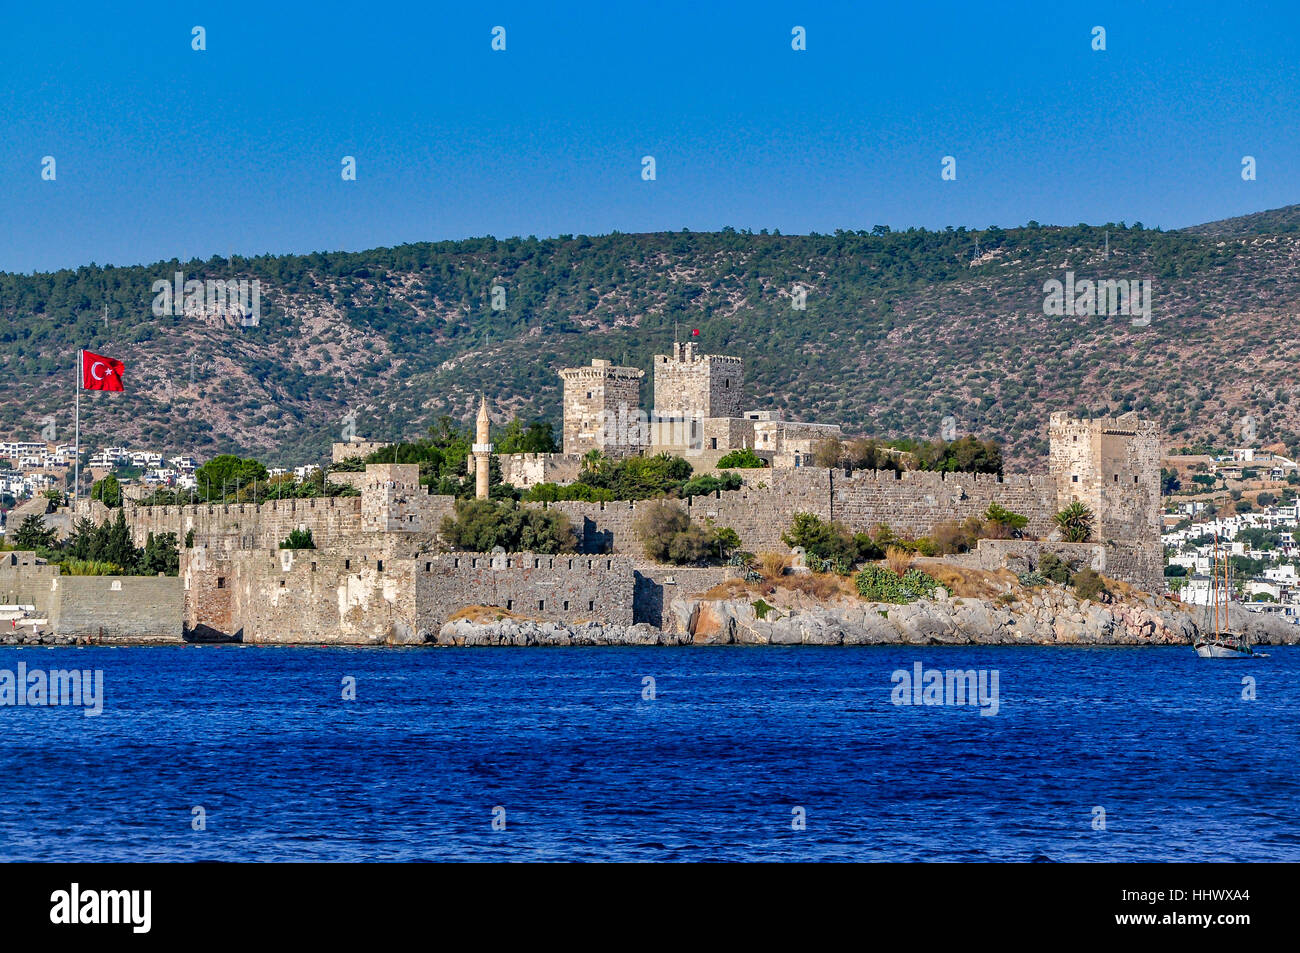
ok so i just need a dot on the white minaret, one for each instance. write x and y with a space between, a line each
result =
482 451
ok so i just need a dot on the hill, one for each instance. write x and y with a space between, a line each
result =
900 329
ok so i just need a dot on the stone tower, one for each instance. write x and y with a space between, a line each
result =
697 386
482 451
602 409
1112 466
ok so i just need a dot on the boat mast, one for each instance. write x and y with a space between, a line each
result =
1214 584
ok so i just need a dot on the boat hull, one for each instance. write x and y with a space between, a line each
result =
1223 650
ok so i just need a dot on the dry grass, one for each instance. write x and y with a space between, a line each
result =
969 583
898 559
820 585
771 565
817 585
733 589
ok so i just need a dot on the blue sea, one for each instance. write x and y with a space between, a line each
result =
759 753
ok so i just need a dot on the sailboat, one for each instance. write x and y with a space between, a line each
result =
1224 643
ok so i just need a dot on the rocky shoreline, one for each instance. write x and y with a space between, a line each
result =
1050 615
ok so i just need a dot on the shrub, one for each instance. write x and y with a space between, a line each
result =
668 535
865 548
691 545
481 525
745 459
553 492
878 584
818 537
705 485
90 567
1088 584
1054 568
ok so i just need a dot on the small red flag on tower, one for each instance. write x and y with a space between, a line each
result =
100 373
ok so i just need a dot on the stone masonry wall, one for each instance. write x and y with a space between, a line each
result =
111 608
687 384
307 596
591 395
24 582
561 588
912 504
524 470
245 525
656 586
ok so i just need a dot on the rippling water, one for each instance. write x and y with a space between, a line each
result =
712 769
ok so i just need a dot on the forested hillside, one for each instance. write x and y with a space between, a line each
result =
900 329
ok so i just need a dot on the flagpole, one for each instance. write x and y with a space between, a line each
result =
76 453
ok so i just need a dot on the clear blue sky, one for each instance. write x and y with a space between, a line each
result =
162 151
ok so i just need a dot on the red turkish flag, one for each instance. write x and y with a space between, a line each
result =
101 373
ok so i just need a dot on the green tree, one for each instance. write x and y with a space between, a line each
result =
116 546
298 539
33 534
481 525
1004 524
81 542
161 555
820 538
668 535
518 437
108 491
227 474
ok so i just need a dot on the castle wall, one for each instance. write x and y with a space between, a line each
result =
1024 555
207 581
559 588
347 450
391 501
25 582
308 596
915 502
911 504
525 470
119 608
245 525
656 586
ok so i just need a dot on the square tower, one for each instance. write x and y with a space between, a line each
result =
1112 466
602 409
697 386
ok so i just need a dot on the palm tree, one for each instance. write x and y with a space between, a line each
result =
1075 522
593 461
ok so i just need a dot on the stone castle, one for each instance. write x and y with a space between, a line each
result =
380 574
697 413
